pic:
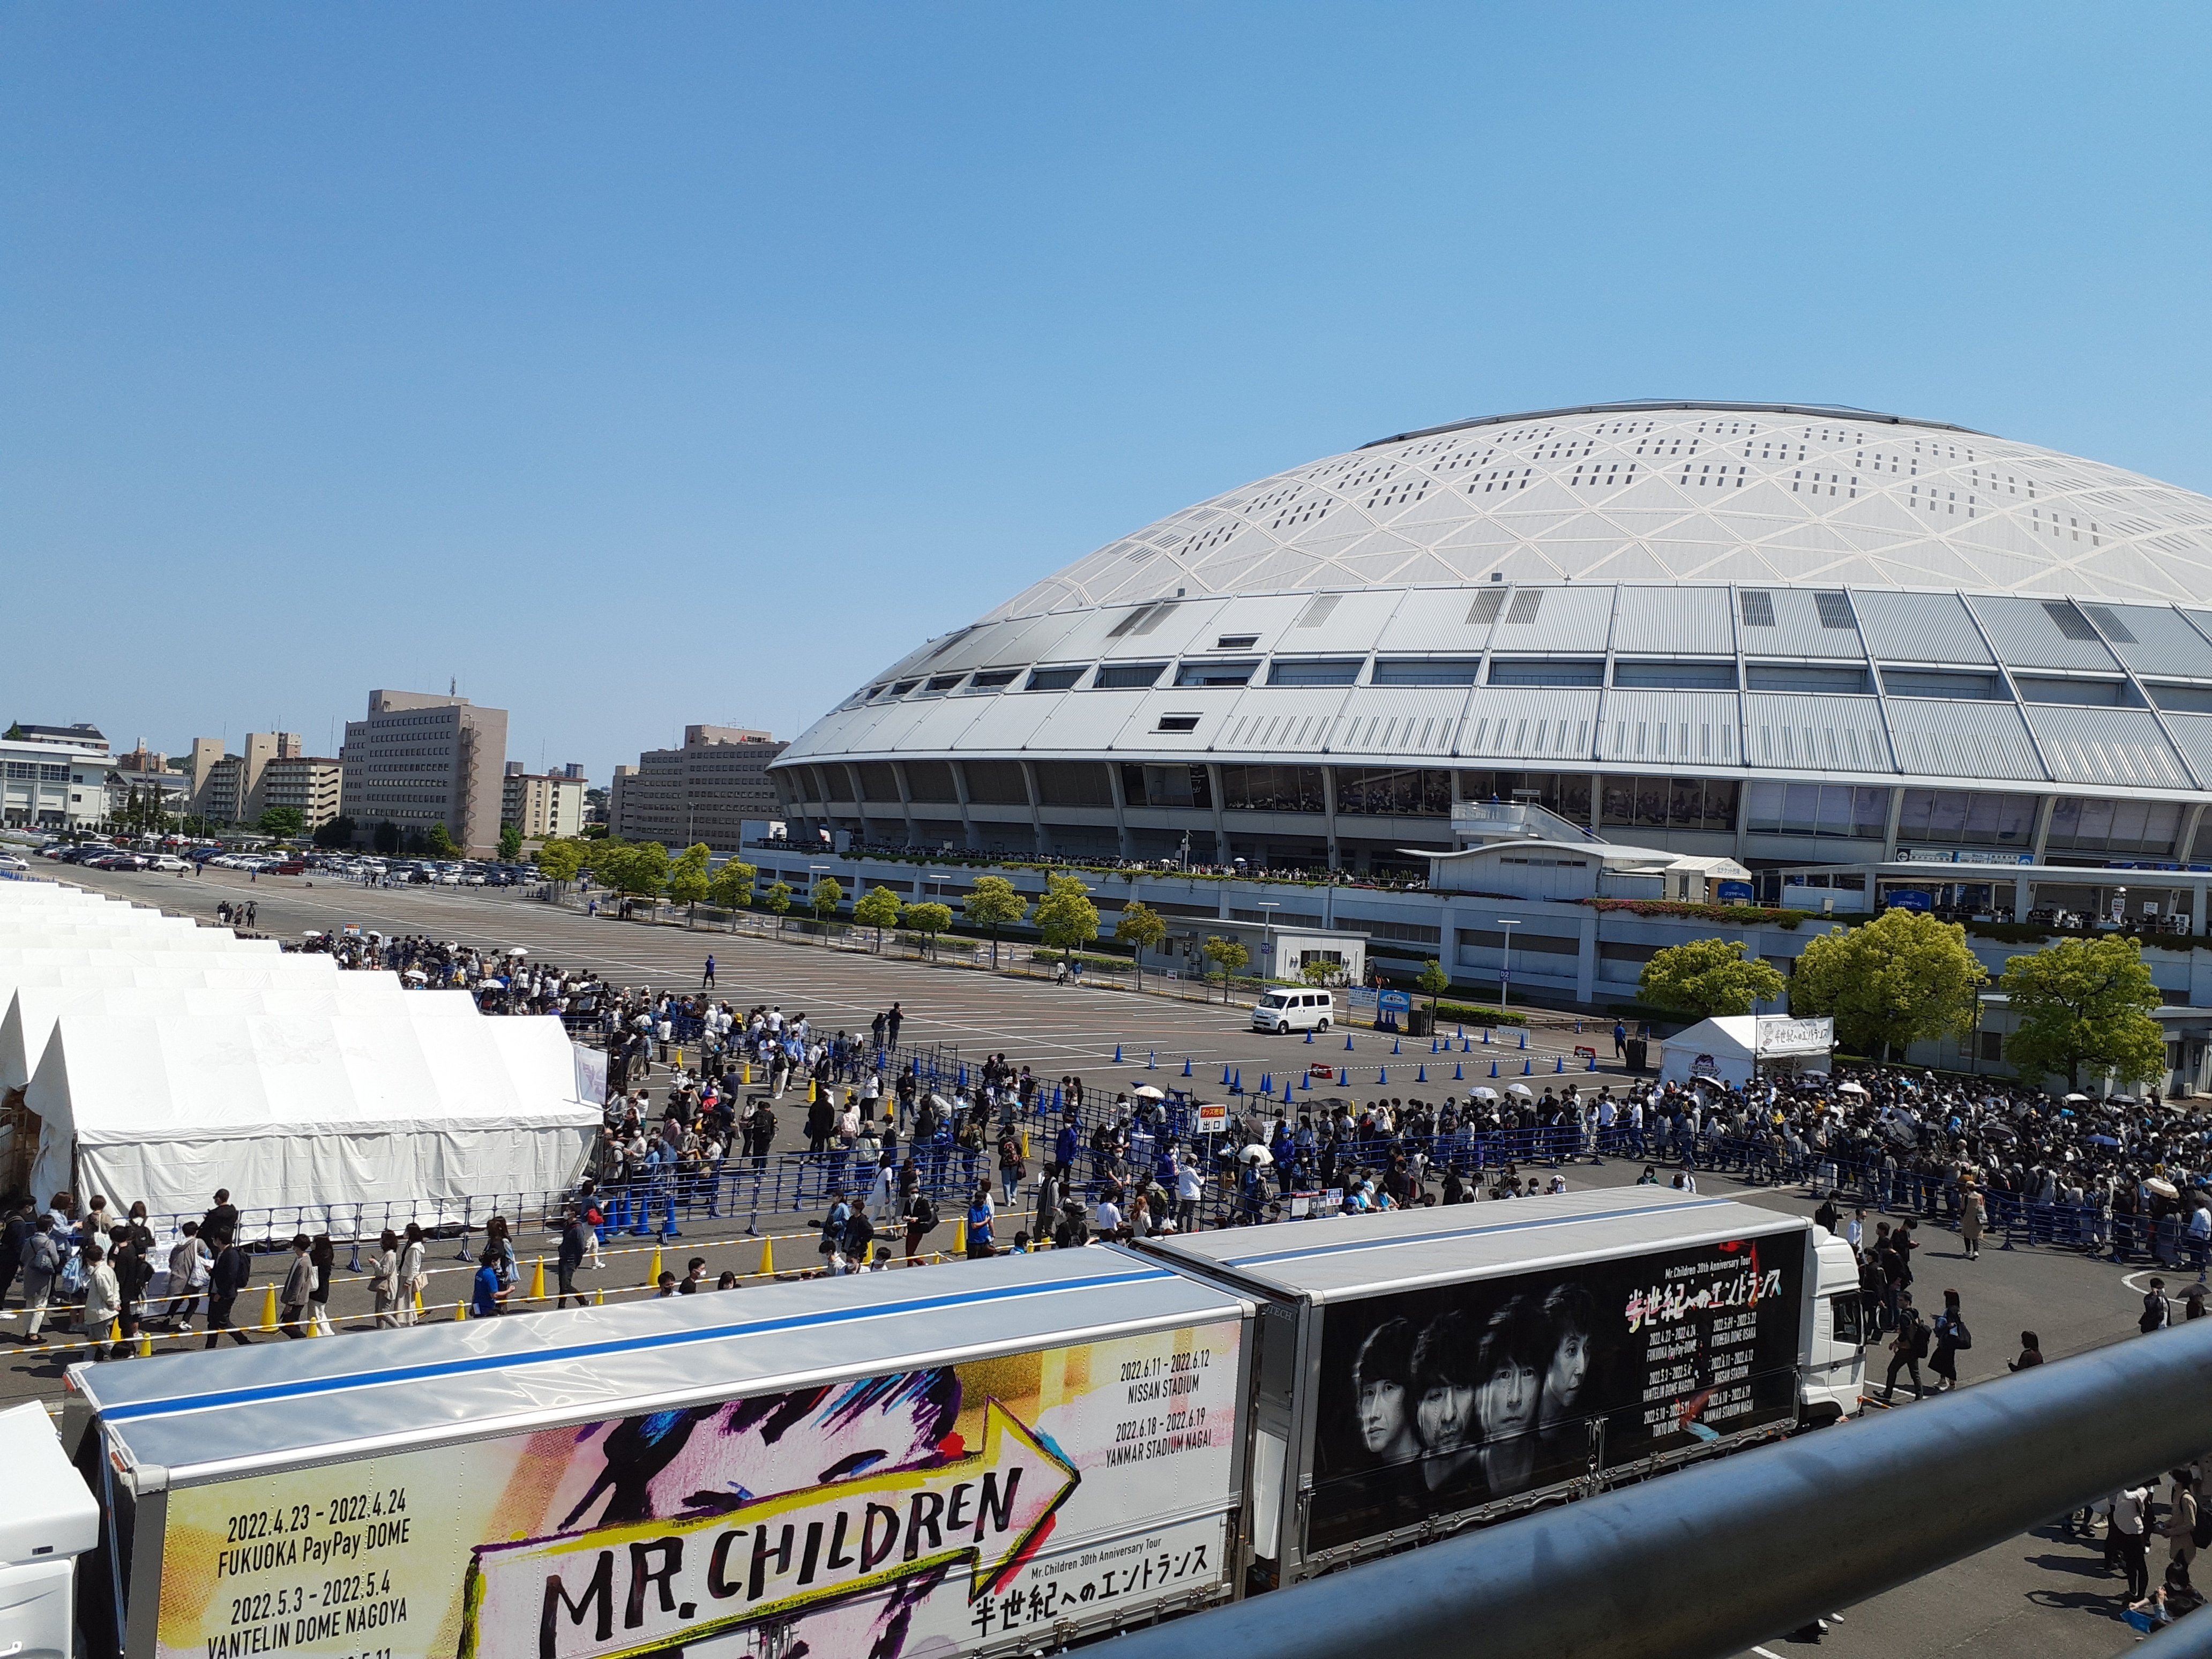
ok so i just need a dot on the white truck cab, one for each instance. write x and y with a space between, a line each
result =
1834 1375
1287 1009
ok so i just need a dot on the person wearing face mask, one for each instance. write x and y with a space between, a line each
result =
1447 1373
1512 1362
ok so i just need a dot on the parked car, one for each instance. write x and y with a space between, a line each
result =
9 861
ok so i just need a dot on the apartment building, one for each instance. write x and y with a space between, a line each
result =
53 777
543 804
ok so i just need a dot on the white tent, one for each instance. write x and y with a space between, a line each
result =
1729 1047
1725 1047
319 1112
151 949
33 1011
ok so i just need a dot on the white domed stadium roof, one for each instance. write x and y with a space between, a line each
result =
1668 492
1724 589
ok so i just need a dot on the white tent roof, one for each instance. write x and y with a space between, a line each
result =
33 1011
300 1109
1732 1036
151 949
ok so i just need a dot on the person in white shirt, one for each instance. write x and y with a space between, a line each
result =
1106 1219
1190 1186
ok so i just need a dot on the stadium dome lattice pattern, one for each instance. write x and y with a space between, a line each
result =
1748 594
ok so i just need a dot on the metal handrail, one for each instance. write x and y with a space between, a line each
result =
1708 1560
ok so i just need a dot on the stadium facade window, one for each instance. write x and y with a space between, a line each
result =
2117 827
1805 676
1427 670
1675 675
1966 818
1394 791
1546 671
1567 794
930 781
1315 671
1954 682
1837 811
1272 789
839 782
876 782
1074 783
996 783
1663 803
1053 679
1127 676
1167 786
1218 673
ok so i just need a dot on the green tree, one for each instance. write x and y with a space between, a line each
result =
1708 976
1319 974
687 879
993 903
825 898
1436 983
2084 1002
878 907
510 843
386 838
1142 928
560 858
338 832
733 884
1066 915
1900 979
929 921
282 822
441 843
1227 954
639 870
778 902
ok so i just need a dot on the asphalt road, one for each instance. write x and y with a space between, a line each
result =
2041 1593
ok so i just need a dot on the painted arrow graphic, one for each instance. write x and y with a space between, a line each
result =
612 1592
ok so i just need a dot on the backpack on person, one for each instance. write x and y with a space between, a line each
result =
2201 1534
923 1218
2157 1314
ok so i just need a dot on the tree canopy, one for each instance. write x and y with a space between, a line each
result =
441 843
1229 955
282 822
1905 977
559 859
510 843
732 885
1708 976
687 876
640 869
2083 1003
994 903
929 920
1142 928
1066 915
827 895
778 899
878 907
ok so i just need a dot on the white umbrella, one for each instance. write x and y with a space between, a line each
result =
1485 1094
310 933
1850 1088
1146 1092
940 1102
2162 1186
516 951
1521 1089
415 974
1255 1153
2077 1100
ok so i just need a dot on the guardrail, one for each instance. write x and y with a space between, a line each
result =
1711 1559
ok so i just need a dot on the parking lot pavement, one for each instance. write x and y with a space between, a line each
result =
1054 1029
2043 1592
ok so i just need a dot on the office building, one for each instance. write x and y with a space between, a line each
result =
53 777
702 791
418 759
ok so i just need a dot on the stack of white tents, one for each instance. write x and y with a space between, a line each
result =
143 1056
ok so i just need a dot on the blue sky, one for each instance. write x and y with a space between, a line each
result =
638 365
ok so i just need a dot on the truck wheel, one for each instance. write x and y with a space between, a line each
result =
1323 1026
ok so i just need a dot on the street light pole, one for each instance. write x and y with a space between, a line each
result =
1505 961
1267 938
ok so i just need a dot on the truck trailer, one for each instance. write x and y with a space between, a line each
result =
1424 1370
990 1456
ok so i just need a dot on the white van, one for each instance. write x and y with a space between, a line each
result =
1294 1011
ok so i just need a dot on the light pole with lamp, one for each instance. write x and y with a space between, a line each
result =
1505 961
814 874
1268 939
